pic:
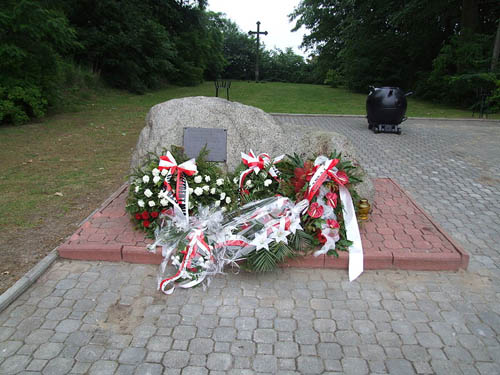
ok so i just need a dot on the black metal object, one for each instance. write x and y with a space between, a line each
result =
386 109
222 85
481 106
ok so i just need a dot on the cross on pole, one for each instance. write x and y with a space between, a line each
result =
258 32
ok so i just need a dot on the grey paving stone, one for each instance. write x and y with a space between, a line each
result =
399 367
14 364
90 353
8 348
194 370
149 369
48 350
265 336
245 323
309 365
175 359
330 351
285 324
286 349
306 336
219 361
58 366
201 346
224 334
132 356
265 363
354 366
68 326
103 368
245 348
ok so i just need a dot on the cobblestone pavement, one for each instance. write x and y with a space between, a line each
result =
106 318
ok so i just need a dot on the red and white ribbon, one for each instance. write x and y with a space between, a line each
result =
326 170
256 164
189 168
197 247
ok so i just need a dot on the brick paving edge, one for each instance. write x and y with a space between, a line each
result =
27 280
464 255
105 204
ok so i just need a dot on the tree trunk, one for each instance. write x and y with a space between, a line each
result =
470 15
496 50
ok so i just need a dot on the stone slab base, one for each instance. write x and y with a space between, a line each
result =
398 234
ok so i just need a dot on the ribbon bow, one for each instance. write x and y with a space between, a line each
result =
256 164
169 163
325 168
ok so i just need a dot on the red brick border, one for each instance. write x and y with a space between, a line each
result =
399 235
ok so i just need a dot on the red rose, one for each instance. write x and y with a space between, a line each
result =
321 238
146 223
138 216
315 210
145 215
332 223
154 214
331 199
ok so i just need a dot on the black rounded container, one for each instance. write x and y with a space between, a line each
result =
386 105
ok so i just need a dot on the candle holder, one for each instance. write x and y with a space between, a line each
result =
363 209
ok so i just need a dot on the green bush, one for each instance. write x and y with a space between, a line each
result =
32 40
333 78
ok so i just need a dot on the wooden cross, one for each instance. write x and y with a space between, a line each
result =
258 32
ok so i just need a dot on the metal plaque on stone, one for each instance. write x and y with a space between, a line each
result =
214 139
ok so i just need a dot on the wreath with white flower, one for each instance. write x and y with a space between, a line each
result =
149 197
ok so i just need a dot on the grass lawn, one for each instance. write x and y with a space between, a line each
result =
54 172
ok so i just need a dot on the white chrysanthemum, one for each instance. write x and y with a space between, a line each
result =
222 196
140 203
223 209
155 172
206 188
207 178
190 190
145 179
198 191
156 179
164 172
136 189
164 202
249 183
217 203
220 182
148 193
212 191
268 182
228 200
197 179
151 203
235 180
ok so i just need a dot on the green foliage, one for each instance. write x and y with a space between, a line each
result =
32 41
460 70
413 43
333 78
268 260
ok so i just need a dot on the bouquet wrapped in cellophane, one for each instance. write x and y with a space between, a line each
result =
201 246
